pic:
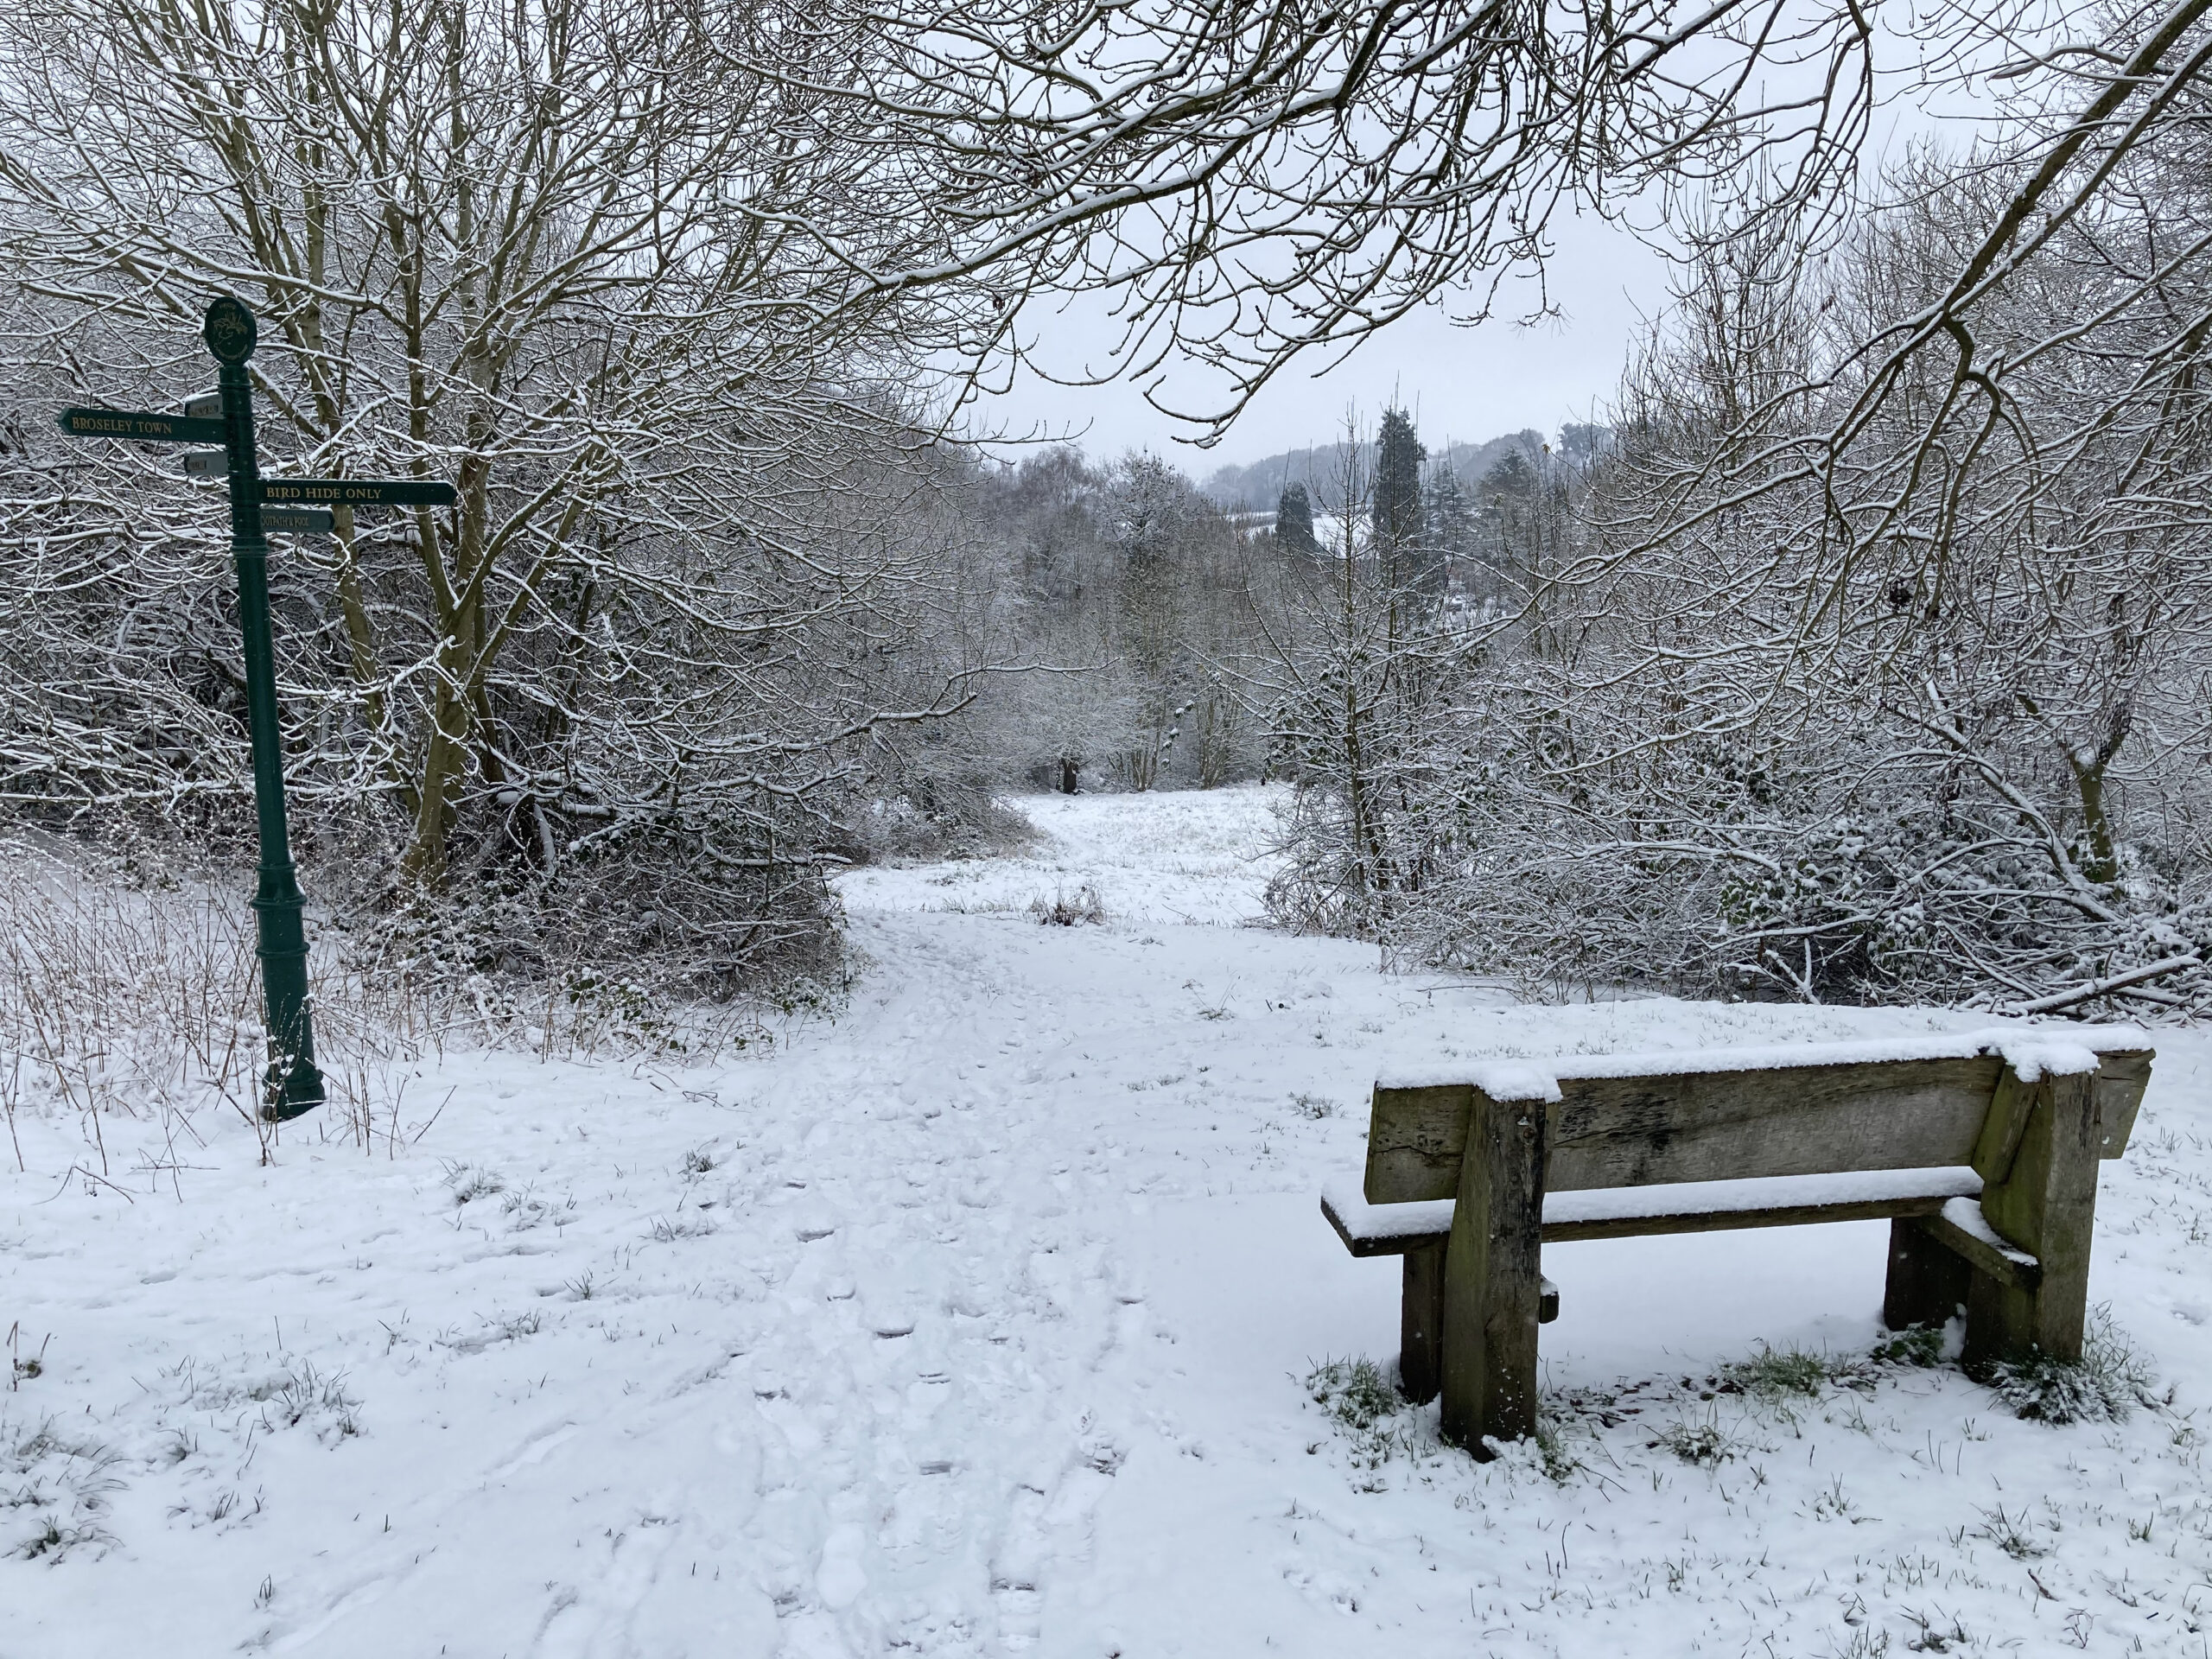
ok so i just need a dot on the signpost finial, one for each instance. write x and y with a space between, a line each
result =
230 330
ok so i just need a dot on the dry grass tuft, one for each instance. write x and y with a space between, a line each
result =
139 996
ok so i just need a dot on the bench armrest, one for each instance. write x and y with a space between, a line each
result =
1384 1229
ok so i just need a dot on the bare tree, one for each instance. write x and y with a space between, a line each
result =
1248 182
574 258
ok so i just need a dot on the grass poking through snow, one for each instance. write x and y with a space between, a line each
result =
2104 1386
1377 1425
1083 908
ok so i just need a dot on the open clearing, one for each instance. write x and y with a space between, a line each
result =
979 1319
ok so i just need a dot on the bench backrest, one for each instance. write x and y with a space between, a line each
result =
1642 1122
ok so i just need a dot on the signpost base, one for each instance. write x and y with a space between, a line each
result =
289 1091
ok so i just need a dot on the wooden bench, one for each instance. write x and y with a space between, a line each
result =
1980 1149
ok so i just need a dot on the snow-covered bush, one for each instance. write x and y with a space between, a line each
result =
129 984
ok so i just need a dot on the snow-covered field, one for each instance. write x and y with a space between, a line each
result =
978 1320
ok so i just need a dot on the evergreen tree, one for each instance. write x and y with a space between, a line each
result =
1508 495
1295 523
1403 546
1151 503
1581 444
1397 510
1451 520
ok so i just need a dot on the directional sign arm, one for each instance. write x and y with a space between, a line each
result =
357 491
140 426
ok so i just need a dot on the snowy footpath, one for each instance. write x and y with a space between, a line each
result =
987 1316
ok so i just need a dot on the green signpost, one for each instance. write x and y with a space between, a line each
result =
293 1084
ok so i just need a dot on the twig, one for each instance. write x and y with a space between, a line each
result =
435 1116
2100 987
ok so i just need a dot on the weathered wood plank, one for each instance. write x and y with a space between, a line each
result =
1976 1253
1363 1243
1635 1131
1927 1283
1420 1321
1421 1324
1721 1221
1492 1280
1999 1142
1415 1141
1682 1209
1654 1224
1613 1132
2046 1206
2121 1080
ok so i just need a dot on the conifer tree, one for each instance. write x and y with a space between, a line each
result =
1398 456
1401 539
1294 522
1450 513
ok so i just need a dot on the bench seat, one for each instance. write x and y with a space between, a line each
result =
1686 1207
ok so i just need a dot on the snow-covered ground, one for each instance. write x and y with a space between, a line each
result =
978 1320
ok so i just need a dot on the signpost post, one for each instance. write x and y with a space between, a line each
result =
293 1084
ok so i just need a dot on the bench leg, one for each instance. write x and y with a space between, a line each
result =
2046 1204
1492 1284
1421 1325
1928 1283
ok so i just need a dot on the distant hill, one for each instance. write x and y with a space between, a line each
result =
1257 487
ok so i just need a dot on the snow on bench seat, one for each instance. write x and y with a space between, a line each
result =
1686 1206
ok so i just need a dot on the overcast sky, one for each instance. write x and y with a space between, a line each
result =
1468 384
1464 383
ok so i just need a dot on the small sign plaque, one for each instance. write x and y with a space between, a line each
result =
298 521
208 463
